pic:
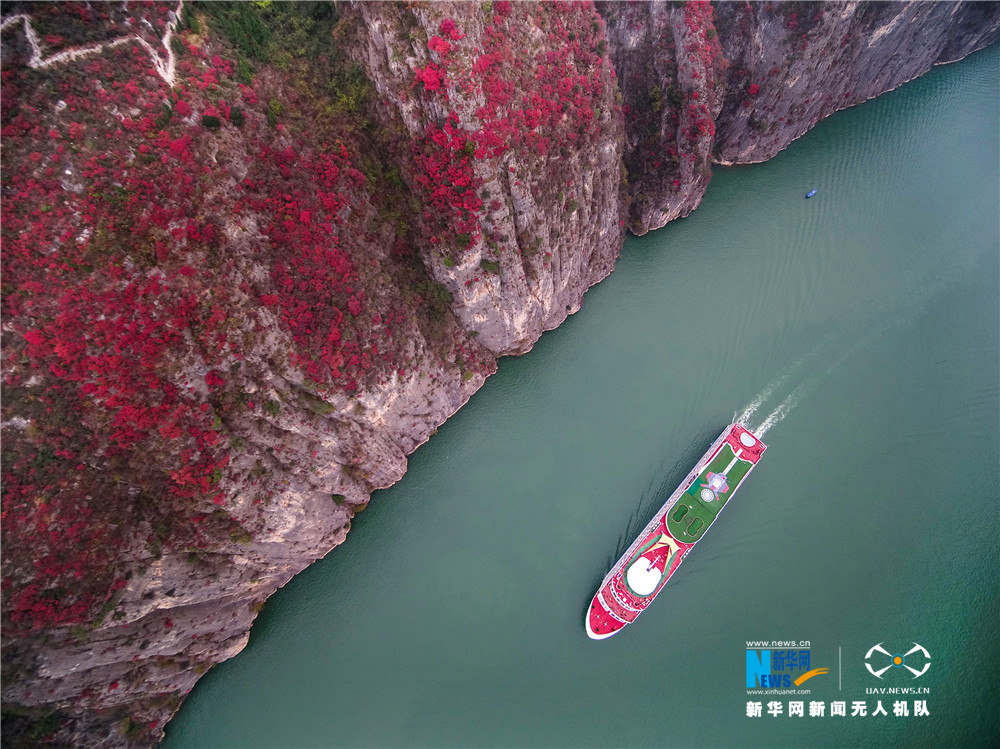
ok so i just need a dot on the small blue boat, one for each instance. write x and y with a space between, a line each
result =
810 193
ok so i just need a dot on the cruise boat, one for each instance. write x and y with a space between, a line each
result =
638 577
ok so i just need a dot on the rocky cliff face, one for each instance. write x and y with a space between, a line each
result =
735 84
253 257
671 74
515 104
804 61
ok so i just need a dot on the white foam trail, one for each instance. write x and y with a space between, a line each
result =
778 414
818 352
747 413
836 352
756 403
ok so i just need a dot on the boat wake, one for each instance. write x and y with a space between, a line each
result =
810 372
777 387
656 493
763 396
872 320
778 414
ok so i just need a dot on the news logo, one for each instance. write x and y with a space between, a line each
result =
898 660
779 668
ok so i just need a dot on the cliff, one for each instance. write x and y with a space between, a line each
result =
737 82
254 256
528 94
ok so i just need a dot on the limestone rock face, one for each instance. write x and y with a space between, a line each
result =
519 100
807 60
515 143
671 73
761 75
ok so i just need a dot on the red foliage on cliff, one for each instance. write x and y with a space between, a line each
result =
537 104
132 295
431 76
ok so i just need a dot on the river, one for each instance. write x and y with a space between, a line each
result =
860 330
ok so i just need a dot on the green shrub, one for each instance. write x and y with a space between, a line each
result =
490 266
190 21
166 112
211 122
132 729
240 536
243 71
243 24
655 99
274 109
532 249
437 297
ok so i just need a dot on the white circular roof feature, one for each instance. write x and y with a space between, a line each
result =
707 495
747 439
642 577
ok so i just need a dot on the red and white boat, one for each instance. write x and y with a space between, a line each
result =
638 577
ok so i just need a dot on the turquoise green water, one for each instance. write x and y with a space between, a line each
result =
859 329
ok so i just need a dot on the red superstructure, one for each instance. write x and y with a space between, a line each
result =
647 565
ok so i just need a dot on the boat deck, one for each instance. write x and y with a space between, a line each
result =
651 560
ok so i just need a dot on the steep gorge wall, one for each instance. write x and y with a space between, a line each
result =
483 185
736 84
671 74
518 102
807 60
217 344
